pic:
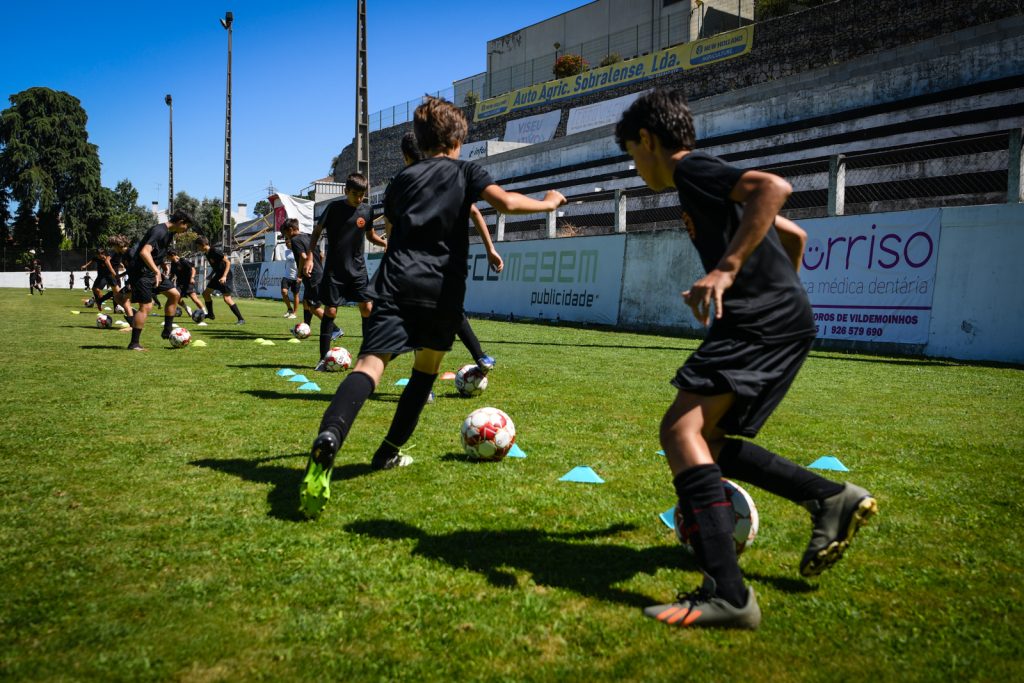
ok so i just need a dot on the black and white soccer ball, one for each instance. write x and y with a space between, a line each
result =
743 509
198 315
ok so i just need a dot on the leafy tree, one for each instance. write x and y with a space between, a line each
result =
262 208
48 167
124 215
207 213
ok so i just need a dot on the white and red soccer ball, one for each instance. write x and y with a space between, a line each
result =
488 434
337 359
104 321
301 331
470 380
743 509
180 337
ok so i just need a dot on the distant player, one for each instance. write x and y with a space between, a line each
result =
346 223
105 275
301 246
290 283
221 280
71 281
418 291
184 272
87 279
411 154
761 331
145 276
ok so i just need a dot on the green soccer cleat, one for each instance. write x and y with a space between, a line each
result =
315 491
837 520
701 608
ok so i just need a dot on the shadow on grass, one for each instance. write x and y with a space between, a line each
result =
300 395
104 346
259 365
558 560
785 584
283 497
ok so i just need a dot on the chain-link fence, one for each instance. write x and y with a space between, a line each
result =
967 170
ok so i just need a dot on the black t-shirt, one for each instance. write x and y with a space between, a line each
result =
158 237
345 226
300 246
767 301
428 207
217 262
99 261
182 271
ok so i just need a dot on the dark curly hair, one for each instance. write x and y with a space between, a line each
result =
665 114
410 148
439 125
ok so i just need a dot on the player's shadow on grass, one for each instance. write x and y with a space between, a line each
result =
784 584
283 497
555 559
301 395
102 346
259 365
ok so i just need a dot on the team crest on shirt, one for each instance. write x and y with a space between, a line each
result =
691 228
360 222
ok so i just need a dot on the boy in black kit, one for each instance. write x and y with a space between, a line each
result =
146 279
221 280
761 332
344 277
184 272
418 291
303 250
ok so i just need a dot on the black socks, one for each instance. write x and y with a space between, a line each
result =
209 306
702 500
326 328
469 339
750 463
307 316
410 405
234 309
136 336
345 405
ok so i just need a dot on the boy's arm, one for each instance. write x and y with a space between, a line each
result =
493 257
515 203
227 269
374 238
146 254
192 276
793 239
314 243
762 195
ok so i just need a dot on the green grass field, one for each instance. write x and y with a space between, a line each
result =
148 524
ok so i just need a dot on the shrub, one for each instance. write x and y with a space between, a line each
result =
470 99
569 65
613 58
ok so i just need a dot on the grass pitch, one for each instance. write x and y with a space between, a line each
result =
148 524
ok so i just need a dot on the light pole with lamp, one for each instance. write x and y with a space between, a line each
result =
226 23
170 155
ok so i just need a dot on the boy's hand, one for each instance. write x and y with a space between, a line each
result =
707 291
556 199
494 259
307 268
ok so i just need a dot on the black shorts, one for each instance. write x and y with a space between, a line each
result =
311 290
759 374
185 290
143 289
289 284
225 289
334 292
395 328
102 282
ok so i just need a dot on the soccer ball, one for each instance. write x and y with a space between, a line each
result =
301 331
337 359
198 315
488 434
104 321
119 309
88 303
743 509
470 380
180 337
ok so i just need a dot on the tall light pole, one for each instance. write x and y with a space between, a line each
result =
170 156
226 23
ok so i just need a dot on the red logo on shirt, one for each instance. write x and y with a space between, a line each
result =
360 222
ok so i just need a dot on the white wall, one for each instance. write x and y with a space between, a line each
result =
978 309
52 279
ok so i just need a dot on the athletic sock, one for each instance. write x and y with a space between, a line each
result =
468 338
307 316
326 327
234 309
209 306
748 462
168 321
136 336
106 296
702 500
410 405
346 403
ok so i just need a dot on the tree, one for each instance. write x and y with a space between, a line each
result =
207 213
124 215
48 167
262 208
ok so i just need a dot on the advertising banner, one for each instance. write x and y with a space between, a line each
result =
599 114
872 277
533 129
268 283
577 279
686 56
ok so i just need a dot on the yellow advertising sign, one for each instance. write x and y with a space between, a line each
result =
686 56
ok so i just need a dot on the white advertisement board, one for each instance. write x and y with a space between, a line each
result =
577 279
533 129
599 114
872 277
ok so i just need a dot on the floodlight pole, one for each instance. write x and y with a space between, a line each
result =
362 95
226 23
170 156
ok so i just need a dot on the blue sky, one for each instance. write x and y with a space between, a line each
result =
293 72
